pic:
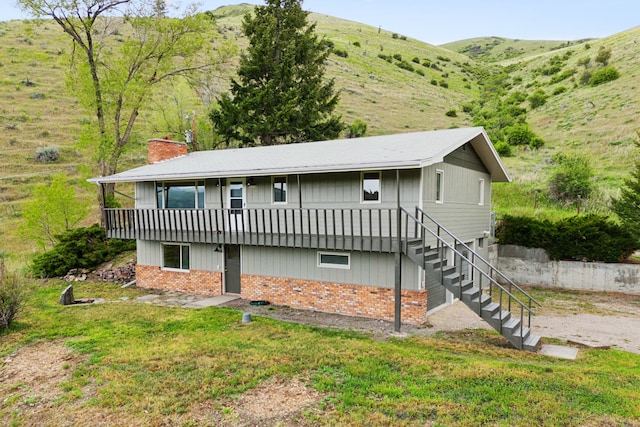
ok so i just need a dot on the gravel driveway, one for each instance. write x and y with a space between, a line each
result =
590 319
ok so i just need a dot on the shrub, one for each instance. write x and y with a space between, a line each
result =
538 98
12 297
416 60
581 237
451 113
503 148
603 56
419 72
47 154
405 66
572 177
357 129
85 247
356 43
604 75
434 82
397 57
443 84
341 53
559 90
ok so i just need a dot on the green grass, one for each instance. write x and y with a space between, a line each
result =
144 364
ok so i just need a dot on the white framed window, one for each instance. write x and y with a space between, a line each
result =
176 256
481 190
180 195
371 188
439 186
279 193
334 260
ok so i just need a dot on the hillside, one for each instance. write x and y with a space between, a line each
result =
498 49
393 83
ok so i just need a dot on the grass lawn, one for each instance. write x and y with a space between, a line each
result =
127 363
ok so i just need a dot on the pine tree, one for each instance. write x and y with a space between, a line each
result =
280 95
627 206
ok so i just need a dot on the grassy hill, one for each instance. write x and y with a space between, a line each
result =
498 49
393 83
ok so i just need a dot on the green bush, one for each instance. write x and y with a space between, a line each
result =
397 57
578 238
604 75
451 113
85 247
405 66
503 148
420 72
559 90
356 43
538 98
572 177
341 53
357 129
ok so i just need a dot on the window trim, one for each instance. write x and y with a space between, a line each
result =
346 266
180 245
273 195
481 190
196 185
439 195
362 200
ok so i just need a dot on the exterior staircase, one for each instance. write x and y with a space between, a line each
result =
472 279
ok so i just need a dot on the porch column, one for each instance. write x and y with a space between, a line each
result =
398 260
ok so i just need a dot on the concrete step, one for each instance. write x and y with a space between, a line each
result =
532 343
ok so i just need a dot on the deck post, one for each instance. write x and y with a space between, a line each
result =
398 260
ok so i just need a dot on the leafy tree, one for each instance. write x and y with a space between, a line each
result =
52 210
627 206
280 95
572 177
115 76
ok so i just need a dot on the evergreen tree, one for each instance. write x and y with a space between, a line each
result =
280 95
627 206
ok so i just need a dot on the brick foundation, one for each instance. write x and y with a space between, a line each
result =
353 300
195 281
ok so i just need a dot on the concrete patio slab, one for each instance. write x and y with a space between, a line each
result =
559 351
212 301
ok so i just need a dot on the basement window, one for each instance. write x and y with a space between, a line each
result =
334 260
175 257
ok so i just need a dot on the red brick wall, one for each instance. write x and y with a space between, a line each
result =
195 281
164 149
353 300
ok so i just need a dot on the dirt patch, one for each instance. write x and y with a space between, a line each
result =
31 378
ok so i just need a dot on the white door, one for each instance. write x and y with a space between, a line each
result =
237 203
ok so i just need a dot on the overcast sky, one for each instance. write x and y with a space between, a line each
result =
442 21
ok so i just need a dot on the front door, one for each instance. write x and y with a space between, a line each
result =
236 203
232 269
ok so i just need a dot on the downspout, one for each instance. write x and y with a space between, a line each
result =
398 259
104 205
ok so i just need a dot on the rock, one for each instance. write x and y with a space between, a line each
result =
66 298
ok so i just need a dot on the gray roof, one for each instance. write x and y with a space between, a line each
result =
400 151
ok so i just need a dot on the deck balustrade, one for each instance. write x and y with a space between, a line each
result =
336 229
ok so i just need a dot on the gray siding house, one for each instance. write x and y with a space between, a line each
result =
389 227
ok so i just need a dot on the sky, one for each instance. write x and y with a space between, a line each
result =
442 21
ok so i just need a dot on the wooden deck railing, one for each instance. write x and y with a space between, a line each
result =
338 229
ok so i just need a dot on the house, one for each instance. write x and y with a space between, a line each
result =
388 227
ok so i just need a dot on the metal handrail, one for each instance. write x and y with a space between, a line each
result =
492 281
476 255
